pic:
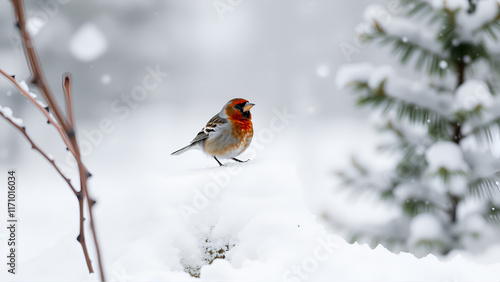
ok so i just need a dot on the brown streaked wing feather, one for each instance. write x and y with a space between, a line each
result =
209 127
215 121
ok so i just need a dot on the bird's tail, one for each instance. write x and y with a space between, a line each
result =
182 150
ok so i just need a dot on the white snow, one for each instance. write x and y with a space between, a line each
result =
410 91
259 207
477 233
88 43
489 114
379 75
24 86
425 228
471 94
486 11
449 4
447 155
399 27
8 113
458 185
352 73
377 13
35 24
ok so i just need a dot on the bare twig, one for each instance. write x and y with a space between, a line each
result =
81 236
22 129
84 174
66 84
64 125
42 110
38 77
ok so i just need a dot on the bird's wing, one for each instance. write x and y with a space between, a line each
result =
211 126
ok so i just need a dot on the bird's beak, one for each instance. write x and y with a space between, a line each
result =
247 107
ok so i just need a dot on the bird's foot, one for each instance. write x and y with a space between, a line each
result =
218 161
240 161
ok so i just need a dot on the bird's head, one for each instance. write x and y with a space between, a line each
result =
237 109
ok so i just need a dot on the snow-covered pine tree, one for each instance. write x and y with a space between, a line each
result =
444 122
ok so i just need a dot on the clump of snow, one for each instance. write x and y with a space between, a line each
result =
472 94
469 23
447 155
426 227
8 113
35 24
477 234
375 12
24 86
489 115
88 43
348 74
486 11
378 76
399 27
426 230
458 185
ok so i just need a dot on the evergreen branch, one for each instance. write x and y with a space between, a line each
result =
494 64
462 115
493 213
485 188
413 207
445 174
458 50
483 133
406 49
411 165
416 7
414 113
358 187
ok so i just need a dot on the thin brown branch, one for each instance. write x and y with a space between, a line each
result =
22 129
68 181
66 85
42 110
65 127
38 77
81 236
84 174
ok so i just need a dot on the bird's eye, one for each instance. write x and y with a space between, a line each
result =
239 106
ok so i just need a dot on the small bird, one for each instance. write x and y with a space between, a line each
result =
227 134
